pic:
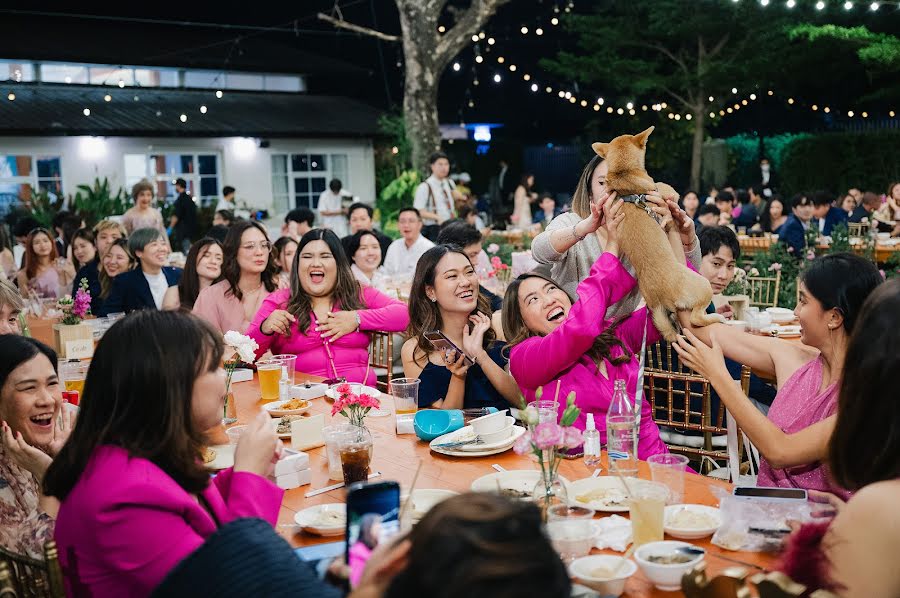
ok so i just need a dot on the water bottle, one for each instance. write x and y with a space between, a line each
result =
591 443
284 385
621 437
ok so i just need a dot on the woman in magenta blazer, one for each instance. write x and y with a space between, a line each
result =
324 316
135 496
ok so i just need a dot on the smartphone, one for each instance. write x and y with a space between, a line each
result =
448 348
769 493
373 511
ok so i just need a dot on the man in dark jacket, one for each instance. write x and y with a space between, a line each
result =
183 222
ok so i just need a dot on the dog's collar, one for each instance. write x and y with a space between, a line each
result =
640 200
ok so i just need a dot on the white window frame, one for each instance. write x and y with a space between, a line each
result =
33 179
292 175
162 180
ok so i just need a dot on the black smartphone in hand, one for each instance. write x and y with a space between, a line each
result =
373 517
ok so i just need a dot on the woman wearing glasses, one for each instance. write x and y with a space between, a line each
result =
249 275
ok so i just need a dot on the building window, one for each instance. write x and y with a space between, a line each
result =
19 174
18 72
299 179
199 171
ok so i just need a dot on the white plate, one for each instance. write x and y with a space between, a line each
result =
518 480
224 457
308 519
782 331
468 433
615 502
692 533
517 431
283 435
372 392
274 408
424 500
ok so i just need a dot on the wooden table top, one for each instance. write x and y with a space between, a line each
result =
397 457
752 245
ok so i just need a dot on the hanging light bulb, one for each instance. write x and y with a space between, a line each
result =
479 59
107 98
121 84
219 93
456 66
183 118
497 78
491 41
534 87
524 30
11 96
554 21
202 109
820 5
539 31
86 111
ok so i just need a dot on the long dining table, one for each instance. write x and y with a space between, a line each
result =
397 457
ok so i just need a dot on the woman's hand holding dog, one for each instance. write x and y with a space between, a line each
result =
593 221
613 216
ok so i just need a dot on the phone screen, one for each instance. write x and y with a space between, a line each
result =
781 493
372 518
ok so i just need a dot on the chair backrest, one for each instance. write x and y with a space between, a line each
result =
680 400
381 356
752 246
764 290
25 577
858 229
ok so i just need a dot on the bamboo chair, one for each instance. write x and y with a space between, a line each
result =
25 577
674 392
381 358
858 229
764 290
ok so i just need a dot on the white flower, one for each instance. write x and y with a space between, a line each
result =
530 415
245 346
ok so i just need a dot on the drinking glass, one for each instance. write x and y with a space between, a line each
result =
548 411
74 374
356 453
668 469
290 361
647 505
406 403
269 371
332 436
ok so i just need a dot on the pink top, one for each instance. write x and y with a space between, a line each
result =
798 405
560 356
133 219
348 357
126 523
47 284
224 311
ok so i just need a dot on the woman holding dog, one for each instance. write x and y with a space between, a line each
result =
573 241
565 347
793 439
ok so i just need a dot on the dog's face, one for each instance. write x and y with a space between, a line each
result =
625 152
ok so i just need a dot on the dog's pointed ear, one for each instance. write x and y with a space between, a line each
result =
600 148
640 139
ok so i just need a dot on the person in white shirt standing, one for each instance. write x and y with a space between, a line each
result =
331 210
227 201
404 253
435 197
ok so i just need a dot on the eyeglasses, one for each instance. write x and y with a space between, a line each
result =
265 245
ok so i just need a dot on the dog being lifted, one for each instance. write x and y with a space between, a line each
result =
666 285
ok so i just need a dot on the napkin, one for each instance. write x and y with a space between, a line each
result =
613 532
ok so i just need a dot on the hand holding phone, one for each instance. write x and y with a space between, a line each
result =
373 516
446 347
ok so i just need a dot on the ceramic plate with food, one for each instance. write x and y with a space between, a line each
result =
218 457
480 452
516 483
691 522
423 499
603 493
323 520
283 425
291 407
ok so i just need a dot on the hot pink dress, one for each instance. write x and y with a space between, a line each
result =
798 405
560 356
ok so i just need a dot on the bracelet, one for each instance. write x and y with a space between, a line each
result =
575 233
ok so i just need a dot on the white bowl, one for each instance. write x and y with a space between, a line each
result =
884 236
582 569
315 521
664 577
694 532
492 422
739 324
780 314
501 434
570 537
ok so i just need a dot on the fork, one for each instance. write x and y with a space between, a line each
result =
476 440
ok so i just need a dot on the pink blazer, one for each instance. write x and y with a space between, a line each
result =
126 523
348 357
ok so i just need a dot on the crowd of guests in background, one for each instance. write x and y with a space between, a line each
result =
125 495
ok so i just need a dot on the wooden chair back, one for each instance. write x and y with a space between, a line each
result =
764 290
858 229
381 357
25 577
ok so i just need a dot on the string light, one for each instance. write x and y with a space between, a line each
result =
441 29
219 93
107 98
479 59
629 105
474 38
554 21
11 96
121 84
456 66
609 109
848 5
481 35
791 3
524 30
548 89
764 2
86 111
500 60
497 78
183 118
820 5
512 68
752 96
596 108
534 87
850 113
527 77
734 90
539 31
874 6
583 103
600 101
202 109
491 41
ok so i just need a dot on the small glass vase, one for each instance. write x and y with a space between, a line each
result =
549 490
356 454
229 415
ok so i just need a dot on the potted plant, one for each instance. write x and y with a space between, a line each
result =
736 294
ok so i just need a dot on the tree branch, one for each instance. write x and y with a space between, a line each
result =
468 24
677 96
342 24
719 46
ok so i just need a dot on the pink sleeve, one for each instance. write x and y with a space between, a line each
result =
538 360
249 495
206 307
382 312
271 303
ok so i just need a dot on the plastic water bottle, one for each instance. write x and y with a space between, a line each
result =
620 433
591 443
284 385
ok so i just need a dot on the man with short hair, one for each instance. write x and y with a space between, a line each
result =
708 215
748 216
146 285
359 217
720 252
793 231
11 305
466 237
435 196
867 206
183 222
404 253
725 203
297 223
227 201
331 208
20 232
826 215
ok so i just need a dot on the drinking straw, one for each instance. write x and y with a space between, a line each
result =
556 395
412 488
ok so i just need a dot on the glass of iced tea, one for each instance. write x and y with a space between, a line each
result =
647 505
73 375
269 372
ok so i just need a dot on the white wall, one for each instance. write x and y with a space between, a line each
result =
242 165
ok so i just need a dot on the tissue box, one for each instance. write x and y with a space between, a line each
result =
290 462
307 392
296 479
241 375
306 432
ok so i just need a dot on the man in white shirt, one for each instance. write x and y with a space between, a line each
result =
435 197
227 201
404 253
331 210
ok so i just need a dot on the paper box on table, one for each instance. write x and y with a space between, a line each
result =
290 462
296 479
306 432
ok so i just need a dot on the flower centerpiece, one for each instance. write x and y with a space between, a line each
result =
244 352
547 441
71 327
355 448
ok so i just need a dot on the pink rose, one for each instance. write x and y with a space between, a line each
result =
547 435
572 437
495 262
522 445
493 248
775 267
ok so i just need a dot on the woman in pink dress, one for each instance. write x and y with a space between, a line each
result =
44 273
557 344
142 214
324 317
135 496
793 438
249 274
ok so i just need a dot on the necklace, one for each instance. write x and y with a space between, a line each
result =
253 292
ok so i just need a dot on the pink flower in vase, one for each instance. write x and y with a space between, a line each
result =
496 262
369 401
547 435
572 437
